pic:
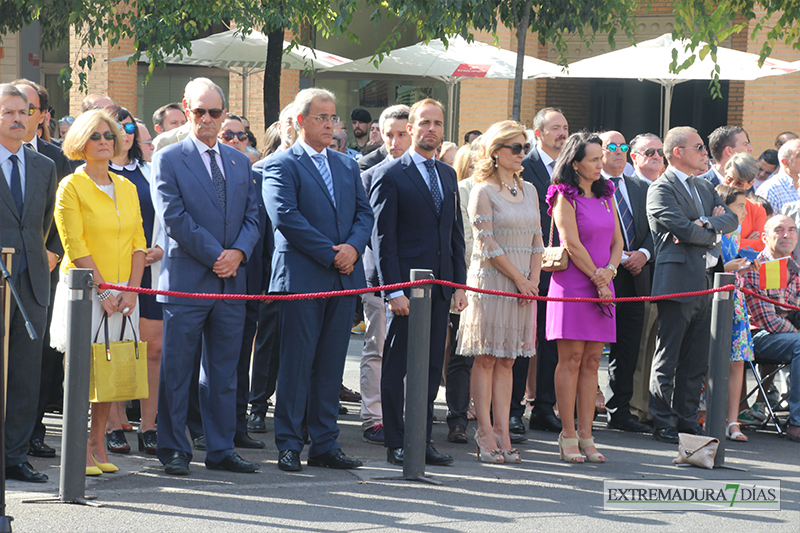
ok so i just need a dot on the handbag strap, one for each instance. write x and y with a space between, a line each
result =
133 329
550 240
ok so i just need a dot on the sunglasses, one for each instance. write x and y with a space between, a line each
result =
517 148
612 147
607 309
68 120
650 152
107 136
700 147
130 129
200 111
32 109
228 135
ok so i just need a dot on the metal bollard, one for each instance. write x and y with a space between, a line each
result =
719 363
72 485
419 347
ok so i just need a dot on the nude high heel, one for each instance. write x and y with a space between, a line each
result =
488 456
509 456
568 457
596 457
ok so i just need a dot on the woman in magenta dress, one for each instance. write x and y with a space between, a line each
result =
582 205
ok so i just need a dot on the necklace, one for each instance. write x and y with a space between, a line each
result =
513 191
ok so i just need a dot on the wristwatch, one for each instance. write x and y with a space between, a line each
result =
613 270
705 222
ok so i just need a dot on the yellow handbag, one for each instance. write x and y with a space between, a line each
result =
118 369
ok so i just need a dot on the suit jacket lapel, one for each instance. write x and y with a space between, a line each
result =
311 168
194 161
681 188
335 166
231 174
416 178
31 183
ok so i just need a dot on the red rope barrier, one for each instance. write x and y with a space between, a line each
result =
397 286
768 300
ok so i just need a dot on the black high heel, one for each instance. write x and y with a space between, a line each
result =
148 441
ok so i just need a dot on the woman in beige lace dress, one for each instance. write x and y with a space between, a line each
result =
507 254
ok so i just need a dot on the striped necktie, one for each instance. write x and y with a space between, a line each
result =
319 161
625 215
218 180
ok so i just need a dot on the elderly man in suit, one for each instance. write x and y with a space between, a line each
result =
28 190
205 197
551 130
686 216
322 221
633 279
417 225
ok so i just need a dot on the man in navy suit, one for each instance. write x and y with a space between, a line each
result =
322 222
204 194
417 225
551 130
722 144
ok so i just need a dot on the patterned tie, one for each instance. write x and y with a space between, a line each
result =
319 160
625 215
430 164
16 194
29 145
218 179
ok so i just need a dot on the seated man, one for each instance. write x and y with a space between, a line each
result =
774 336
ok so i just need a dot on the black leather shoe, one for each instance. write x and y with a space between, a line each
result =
515 425
25 472
38 448
668 435
394 456
178 464
516 438
628 423
257 423
545 422
347 395
117 443
199 443
243 440
458 434
234 463
334 459
432 457
289 461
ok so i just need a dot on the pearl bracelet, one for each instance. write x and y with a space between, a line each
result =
105 295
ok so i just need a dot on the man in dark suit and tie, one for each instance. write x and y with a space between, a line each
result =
722 144
686 217
322 221
206 199
28 191
551 130
633 279
52 359
417 225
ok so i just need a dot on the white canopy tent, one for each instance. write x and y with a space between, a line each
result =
458 61
650 60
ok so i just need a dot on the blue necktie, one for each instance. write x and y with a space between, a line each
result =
625 215
16 194
430 164
319 160
218 179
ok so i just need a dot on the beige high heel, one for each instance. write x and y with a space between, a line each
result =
509 456
488 456
596 457
568 457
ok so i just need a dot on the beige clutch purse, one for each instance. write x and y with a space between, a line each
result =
697 450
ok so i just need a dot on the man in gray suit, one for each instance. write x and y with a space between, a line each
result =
686 217
28 192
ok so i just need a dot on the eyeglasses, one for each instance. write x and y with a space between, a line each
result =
700 147
612 147
517 148
32 109
129 128
107 136
325 118
200 111
650 152
228 135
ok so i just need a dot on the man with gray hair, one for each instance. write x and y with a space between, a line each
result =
647 154
322 222
781 189
288 135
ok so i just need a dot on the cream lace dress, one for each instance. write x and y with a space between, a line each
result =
491 324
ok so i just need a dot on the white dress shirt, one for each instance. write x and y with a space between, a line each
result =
6 165
203 148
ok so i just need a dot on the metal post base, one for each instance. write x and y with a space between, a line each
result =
423 479
5 524
78 501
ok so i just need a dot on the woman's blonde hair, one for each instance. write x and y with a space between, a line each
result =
74 146
462 162
496 136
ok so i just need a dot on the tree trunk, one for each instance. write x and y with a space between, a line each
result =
272 77
522 35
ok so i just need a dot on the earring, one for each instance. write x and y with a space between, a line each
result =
495 161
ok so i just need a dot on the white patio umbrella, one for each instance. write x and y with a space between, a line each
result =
650 60
458 61
246 54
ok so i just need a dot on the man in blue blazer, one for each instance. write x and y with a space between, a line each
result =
322 222
204 194
417 225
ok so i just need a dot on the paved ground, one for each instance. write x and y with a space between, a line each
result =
541 494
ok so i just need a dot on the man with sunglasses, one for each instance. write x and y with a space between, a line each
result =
633 279
686 217
203 192
647 155
551 130
723 143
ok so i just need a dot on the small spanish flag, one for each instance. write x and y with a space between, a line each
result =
774 274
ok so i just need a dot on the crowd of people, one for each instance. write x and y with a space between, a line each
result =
201 209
